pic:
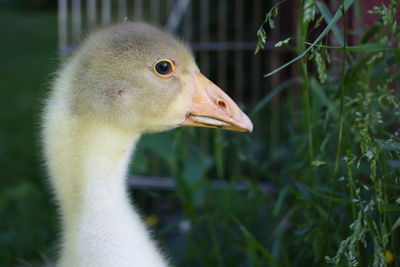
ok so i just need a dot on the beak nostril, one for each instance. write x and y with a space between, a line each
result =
221 103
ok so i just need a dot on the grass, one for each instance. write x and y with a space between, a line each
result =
350 107
334 171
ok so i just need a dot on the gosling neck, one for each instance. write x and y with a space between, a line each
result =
88 163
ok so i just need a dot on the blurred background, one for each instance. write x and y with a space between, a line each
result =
317 180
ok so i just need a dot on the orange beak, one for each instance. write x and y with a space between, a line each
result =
212 108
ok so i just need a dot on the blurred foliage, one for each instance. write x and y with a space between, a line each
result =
27 216
333 173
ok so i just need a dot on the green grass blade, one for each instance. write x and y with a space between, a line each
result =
372 47
250 239
324 195
279 203
330 25
326 14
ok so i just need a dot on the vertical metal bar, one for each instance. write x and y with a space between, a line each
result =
238 60
155 11
138 10
62 24
239 21
256 60
76 20
168 9
122 9
222 34
188 23
106 11
91 13
275 59
295 93
176 14
204 26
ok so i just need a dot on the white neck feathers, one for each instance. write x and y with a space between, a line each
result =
88 161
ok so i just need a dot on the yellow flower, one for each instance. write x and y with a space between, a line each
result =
151 220
389 256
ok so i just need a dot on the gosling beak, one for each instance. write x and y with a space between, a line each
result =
212 108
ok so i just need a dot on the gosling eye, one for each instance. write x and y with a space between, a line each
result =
164 68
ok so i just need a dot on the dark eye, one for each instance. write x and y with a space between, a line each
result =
164 68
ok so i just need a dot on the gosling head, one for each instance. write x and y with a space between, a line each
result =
141 78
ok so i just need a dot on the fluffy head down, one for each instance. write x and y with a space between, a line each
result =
112 78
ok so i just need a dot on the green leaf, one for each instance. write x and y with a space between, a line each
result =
283 42
309 11
317 163
262 36
271 23
321 66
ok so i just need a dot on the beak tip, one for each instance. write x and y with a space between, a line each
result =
248 124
